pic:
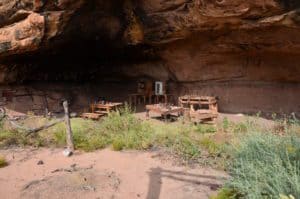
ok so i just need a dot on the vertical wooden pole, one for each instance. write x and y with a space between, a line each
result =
46 106
70 142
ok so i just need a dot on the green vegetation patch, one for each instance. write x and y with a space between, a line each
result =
265 165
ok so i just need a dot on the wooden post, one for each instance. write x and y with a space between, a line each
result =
46 106
70 142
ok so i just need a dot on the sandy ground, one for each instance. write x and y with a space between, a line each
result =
102 174
46 173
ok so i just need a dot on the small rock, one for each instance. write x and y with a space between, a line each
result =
73 166
89 188
40 162
67 153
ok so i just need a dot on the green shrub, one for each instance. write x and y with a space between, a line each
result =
3 162
118 144
225 124
13 138
213 148
226 193
126 131
240 128
204 128
121 129
265 166
186 147
86 135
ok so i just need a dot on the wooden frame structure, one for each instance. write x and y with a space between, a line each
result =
191 101
101 109
201 108
163 110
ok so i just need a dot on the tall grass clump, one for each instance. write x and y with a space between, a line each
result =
125 131
266 166
120 129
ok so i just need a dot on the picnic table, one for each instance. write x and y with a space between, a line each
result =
163 110
105 108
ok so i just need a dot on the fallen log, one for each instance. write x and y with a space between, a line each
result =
29 131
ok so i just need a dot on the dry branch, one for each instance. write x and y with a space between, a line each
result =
29 131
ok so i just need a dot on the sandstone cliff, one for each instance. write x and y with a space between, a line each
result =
246 52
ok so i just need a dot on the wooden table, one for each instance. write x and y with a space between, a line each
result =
105 108
163 110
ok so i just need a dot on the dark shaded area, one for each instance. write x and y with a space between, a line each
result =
81 61
290 4
157 174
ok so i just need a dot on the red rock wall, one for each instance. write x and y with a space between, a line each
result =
247 52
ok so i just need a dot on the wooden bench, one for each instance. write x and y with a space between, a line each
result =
93 116
105 108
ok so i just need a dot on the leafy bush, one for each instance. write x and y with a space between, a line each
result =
121 129
14 138
225 124
3 162
213 148
126 131
204 128
266 166
226 193
186 147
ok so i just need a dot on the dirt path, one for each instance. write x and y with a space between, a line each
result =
102 174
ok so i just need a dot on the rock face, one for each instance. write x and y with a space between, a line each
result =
235 23
245 51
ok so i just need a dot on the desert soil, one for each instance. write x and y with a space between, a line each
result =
46 173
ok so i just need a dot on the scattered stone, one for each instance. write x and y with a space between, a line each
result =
56 170
67 153
89 188
62 170
73 165
40 162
